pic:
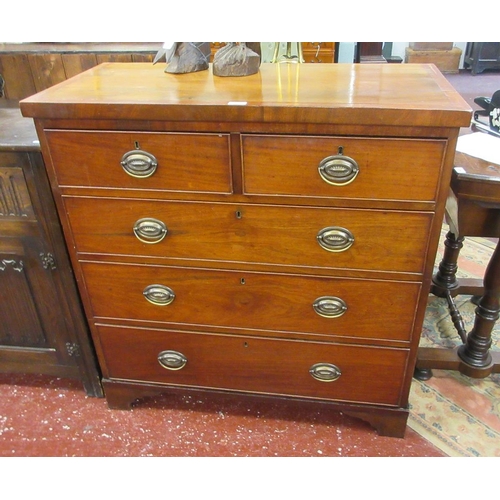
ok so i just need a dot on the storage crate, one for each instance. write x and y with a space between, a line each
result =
447 61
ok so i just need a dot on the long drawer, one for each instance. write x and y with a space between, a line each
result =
258 365
140 160
260 234
362 168
230 300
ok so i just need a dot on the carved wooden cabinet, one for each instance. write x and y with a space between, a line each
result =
271 235
42 324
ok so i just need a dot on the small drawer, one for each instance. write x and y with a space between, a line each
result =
259 365
140 160
229 300
359 168
328 238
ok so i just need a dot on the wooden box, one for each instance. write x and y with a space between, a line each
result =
447 61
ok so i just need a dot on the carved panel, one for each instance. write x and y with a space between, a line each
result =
17 265
15 201
21 325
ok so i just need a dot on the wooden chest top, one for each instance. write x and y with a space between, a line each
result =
381 94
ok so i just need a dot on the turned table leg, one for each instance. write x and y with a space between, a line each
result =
474 357
446 277
444 283
476 351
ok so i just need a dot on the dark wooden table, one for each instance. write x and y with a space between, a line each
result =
473 209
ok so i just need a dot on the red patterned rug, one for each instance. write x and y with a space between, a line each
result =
458 414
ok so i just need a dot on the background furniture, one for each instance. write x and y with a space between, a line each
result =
375 52
320 52
482 55
280 249
369 52
28 68
473 209
31 67
307 52
42 328
442 54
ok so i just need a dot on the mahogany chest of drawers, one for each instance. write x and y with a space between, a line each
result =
272 234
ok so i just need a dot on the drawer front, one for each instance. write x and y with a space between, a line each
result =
249 364
184 162
316 45
259 234
253 301
384 169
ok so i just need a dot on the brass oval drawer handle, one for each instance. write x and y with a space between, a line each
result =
329 307
172 360
159 295
335 239
338 170
150 230
138 163
325 372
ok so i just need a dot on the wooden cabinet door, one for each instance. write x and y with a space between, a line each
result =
27 296
42 329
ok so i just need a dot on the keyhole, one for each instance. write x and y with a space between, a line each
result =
239 215
341 150
136 144
242 281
